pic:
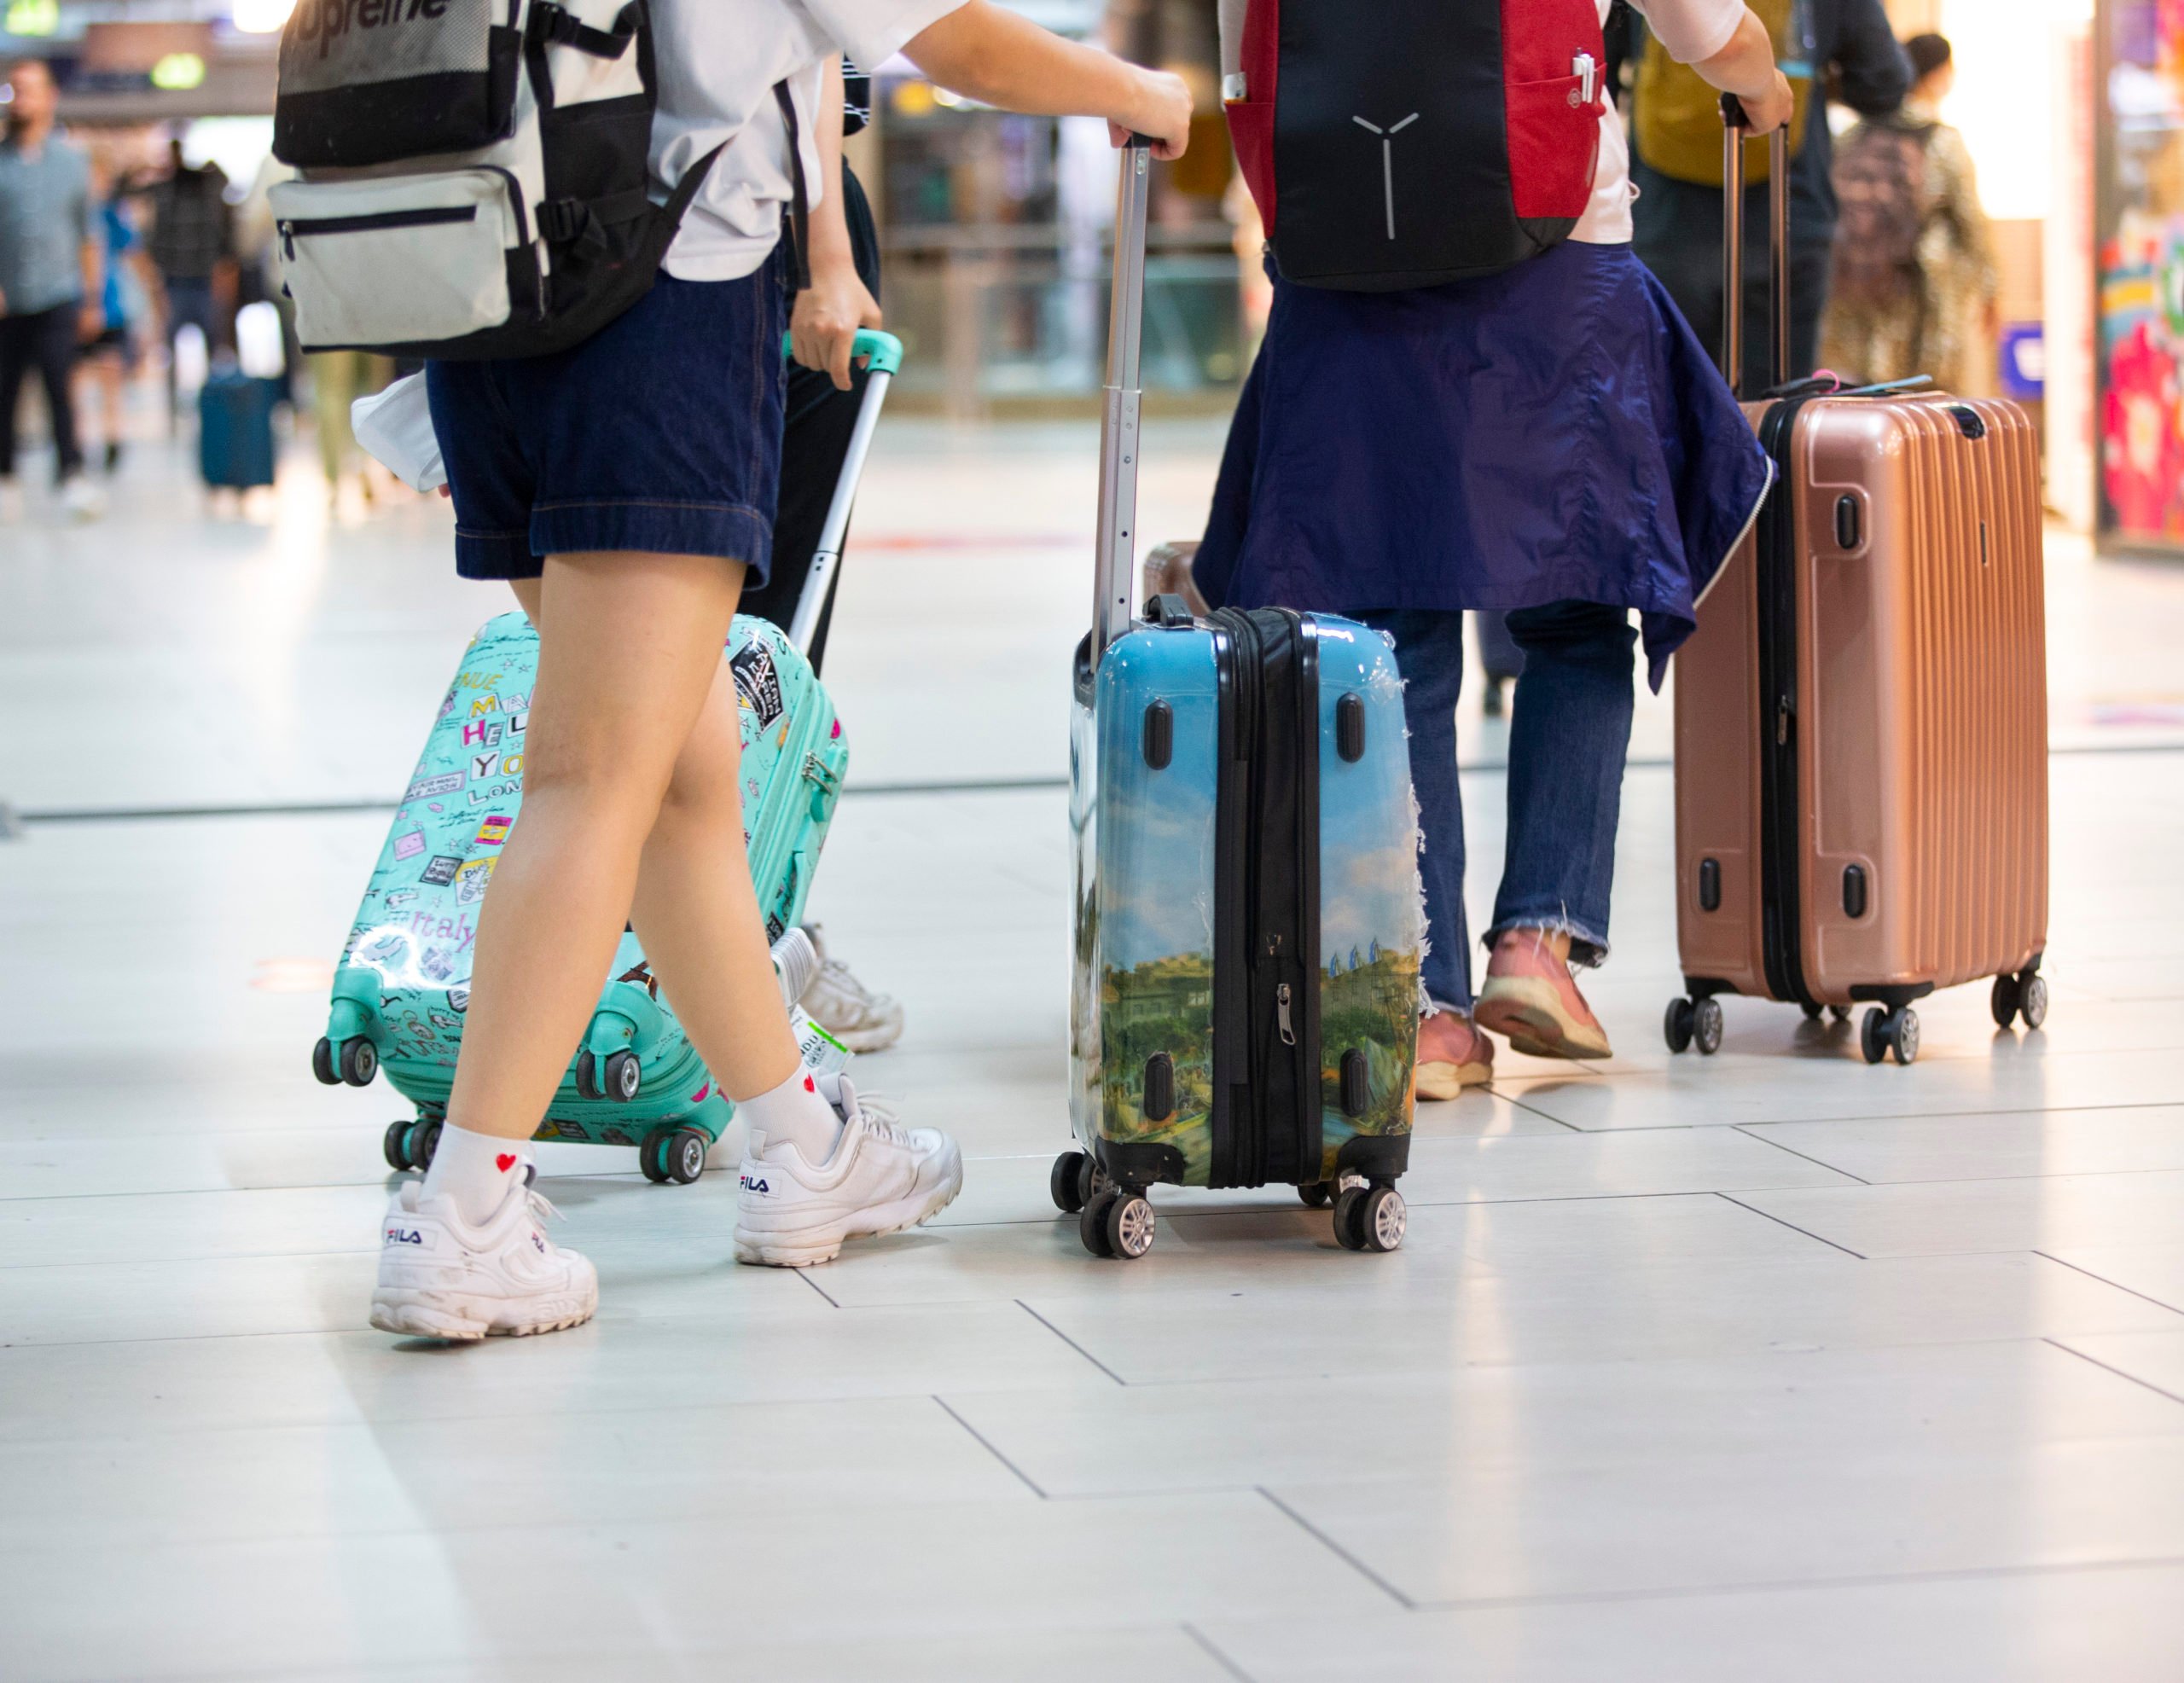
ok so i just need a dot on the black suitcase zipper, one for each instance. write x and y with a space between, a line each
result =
1266 927
1781 840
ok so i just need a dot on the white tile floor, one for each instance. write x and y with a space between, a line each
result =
1769 1366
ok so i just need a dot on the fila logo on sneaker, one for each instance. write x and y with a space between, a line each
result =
538 1241
755 1183
404 1236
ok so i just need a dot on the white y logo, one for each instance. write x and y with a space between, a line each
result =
1388 161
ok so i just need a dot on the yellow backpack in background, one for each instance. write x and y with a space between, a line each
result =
1679 116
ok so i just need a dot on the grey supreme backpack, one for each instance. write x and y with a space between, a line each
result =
473 173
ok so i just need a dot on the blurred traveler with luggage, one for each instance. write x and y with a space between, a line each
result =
1839 49
125 307
1916 289
624 480
1547 440
192 247
51 278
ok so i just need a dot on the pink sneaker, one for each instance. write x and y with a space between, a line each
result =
1452 1055
1530 999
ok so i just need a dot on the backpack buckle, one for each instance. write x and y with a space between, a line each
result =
561 220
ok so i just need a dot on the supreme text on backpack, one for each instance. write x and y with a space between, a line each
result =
1409 143
473 173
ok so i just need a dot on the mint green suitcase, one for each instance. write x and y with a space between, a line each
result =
402 983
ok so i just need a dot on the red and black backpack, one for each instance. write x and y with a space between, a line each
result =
1395 143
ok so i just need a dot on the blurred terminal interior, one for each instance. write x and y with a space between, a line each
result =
994 225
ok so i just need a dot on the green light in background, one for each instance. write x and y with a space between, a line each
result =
177 72
33 17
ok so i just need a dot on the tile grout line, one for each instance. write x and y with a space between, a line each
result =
2105 1280
2106 1367
1338 1551
1745 1127
1776 1586
1215 1654
1793 1227
1071 1342
1515 1103
985 1443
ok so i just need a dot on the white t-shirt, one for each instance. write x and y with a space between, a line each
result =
717 62
1690 29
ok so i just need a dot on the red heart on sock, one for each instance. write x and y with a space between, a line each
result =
505 1161
808 1087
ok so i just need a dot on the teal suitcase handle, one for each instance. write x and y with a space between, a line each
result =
884 349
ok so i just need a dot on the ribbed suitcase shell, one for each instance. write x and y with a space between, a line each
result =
1920 721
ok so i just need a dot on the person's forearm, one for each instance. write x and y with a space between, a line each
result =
1001 59
830 228
1745 67
94 272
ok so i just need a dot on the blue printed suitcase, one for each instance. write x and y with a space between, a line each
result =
1249 921
402 983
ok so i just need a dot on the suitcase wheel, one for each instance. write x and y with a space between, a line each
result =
1316 1195
322 1063
2020 997
358 1061
621 1077
676 1155
1691 1022
1370 1218
1070 1180
1890 1030
410 1145
395 1145
1119 1223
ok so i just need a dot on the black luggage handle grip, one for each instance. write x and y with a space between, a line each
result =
1735 127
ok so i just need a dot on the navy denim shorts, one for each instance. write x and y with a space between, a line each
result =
660 432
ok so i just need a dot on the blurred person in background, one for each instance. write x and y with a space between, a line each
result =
50 280
1853 61
338 379
192 247
1915 289
125 307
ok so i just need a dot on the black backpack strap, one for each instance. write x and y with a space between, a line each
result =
561 27
800 209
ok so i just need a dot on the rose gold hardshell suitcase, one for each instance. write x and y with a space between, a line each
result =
1862 715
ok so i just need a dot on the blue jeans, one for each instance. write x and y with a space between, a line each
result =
1568 735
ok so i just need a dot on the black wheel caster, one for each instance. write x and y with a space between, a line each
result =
622 1076
1370 1218
1092 1222
1903 1035
359 1061
2002 1000
1840 1014
1064 1184
1676 1027
322 1064
683 1155
1811 1011
1316 1196
1129 1225
419 1142
588 1076
1091 1180
1706 1026
658 1155
2032 1000
1872 1035
395 1145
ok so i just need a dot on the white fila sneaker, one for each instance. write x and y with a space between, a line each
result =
858 1017
882 1177
439 1277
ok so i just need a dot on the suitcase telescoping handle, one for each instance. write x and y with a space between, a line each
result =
1734 126
1116 567
884 352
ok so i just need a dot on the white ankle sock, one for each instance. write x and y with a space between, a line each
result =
794 1112
476 1170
